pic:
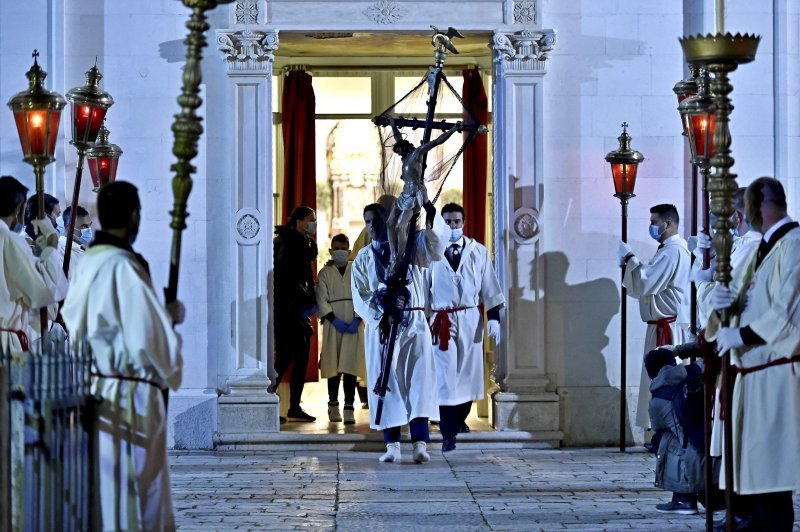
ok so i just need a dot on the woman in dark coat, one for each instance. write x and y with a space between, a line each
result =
294 253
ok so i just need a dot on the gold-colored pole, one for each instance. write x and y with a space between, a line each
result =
187 130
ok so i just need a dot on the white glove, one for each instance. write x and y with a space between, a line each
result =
623 251
728 338
176 311
703 241
699 275
493 328
47 233
722 297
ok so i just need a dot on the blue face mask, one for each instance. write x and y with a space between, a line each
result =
86 236
655 234
455 234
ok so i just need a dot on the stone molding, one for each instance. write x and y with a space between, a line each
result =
524 13
247 227
523 50
247 50
246 12
385 12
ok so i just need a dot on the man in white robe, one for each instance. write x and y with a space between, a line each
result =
460 287
763 338
27 283
411 398
81 237
662 288
342 355
113 307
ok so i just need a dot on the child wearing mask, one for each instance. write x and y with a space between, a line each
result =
342 356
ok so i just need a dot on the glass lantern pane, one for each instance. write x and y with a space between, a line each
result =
37 131
52 132
22 131
343 95
703 134
624 177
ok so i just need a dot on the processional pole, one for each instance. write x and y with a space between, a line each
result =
721 54
624 164
187 129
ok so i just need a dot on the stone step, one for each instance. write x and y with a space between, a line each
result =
373 441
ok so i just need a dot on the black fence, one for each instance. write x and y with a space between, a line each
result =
46 417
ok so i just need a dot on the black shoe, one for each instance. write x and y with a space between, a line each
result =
739 523
299 414
433 422
282 420
463 429
672 507
448 444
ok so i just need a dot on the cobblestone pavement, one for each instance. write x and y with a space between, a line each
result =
497 489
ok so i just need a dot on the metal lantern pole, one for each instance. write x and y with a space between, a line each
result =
37 114
89 106
624 164
722 54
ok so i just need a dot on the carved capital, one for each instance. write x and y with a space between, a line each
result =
247 50
523 50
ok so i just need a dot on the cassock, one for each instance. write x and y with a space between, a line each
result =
75 257
455 299
27 283
662 288
766 399
412 382
113 305
341 353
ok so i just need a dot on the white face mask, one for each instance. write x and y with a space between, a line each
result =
340 256
455 234
311 227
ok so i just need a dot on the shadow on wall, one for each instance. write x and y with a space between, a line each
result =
576 320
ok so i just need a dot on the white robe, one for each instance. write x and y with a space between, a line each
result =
75 256
766 403
27 283
412 383
114 306
459 369
662 288
341 353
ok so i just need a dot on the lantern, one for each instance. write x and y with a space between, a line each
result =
103 159
699 121
89 105
37 112
624 165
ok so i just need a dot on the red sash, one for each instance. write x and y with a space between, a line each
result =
21 336
440 328
663 332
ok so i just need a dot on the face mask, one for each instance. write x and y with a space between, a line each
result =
455 234
311 227
86 236
655 234
735 231
340 255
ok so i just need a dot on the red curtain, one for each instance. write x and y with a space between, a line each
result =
475 158
299 175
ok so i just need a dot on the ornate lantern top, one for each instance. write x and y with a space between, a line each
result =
36 97
687 87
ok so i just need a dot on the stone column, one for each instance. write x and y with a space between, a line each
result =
527 400
246 411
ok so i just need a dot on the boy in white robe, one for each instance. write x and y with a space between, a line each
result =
342 356
662 288
112 305
763 338
411 398
460 287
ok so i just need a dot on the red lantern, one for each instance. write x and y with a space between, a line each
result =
624 165
37 112
103 158
89 106
699 121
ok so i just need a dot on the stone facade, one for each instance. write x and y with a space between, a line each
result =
566 74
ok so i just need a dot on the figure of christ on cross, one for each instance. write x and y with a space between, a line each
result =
414 194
